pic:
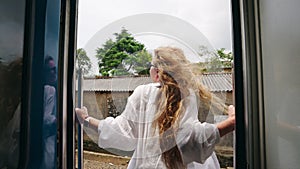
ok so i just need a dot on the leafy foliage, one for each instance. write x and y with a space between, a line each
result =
125 56
226 58
215 60
83 62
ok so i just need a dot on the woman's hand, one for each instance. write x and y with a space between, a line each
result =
81 113
227 125
231 115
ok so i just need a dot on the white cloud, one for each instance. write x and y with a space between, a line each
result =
210 17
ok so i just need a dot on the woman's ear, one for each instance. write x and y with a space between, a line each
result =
157 76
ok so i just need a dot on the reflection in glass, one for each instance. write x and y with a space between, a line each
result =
50 125
280 44
11 48
50 120
10 91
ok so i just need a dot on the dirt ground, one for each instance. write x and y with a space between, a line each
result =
93 160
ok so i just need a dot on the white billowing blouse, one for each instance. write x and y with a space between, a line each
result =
133 131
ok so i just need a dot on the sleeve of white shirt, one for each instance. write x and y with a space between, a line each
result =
119 132
196 140
201 143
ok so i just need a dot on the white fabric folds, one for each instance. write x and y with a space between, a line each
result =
133 131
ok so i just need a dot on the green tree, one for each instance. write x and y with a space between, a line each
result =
214 64
225 58
100 52
216 60
125 56
83 62
124 33
139 61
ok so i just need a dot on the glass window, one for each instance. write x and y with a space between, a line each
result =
202 29
50 118
11 53
280 50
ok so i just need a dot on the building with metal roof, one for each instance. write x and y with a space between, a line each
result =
108 96
216 82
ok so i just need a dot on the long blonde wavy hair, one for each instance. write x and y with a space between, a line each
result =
176 75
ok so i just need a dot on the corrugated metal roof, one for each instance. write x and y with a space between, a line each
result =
115 84
216 82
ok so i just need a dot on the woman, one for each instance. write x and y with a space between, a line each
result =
160 121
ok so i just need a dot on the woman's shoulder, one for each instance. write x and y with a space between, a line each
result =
144 91
149 86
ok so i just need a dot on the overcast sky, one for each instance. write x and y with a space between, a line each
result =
181 20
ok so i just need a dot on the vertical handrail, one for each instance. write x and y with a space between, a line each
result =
79 127
240 153
233 96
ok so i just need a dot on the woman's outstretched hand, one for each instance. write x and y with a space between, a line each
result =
84 118
81 113
231 115
227 125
